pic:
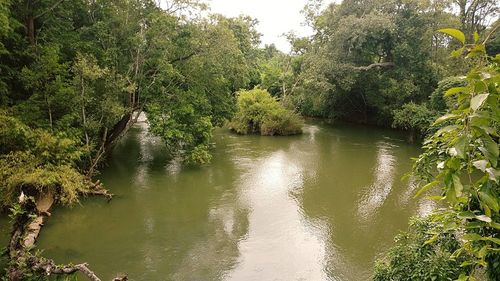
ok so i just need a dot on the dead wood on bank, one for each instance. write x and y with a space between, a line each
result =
28 222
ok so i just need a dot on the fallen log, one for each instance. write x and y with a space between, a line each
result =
27 225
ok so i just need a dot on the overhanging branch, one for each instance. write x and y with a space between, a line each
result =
186 57
375 65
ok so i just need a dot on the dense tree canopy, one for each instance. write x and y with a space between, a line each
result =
74 75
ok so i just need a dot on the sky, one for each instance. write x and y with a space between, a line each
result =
275 17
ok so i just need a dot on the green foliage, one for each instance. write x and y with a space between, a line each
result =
14 135
413 117
38 162
81 68
441 102
185 131
74 73
4 22
462 158
368 59
24 171
194 80
48 80
259 112
414 258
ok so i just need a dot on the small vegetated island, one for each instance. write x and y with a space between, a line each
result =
260 113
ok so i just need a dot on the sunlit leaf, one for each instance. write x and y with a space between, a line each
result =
426 187
455 90
476 37
477 101
493 174
484 218
446 117
457 185
484 250
492 239
472 237
480 165
466 215
432 239
455 33
447 129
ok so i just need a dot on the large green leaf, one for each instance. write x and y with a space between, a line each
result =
491 201
455 90
490 150
481 165
446 117
455 33
461 146
457 184
477 101
472 237
484 218
426 187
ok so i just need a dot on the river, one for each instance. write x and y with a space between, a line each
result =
319 206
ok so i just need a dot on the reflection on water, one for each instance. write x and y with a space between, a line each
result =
279 246
375 195
321 206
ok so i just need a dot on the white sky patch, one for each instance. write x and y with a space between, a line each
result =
275 17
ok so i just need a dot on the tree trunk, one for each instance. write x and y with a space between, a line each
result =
30 29
49 110
412 136
84 118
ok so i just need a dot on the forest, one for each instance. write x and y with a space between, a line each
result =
75 76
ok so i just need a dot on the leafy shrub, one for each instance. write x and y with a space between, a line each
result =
38 162
416 118
259 112
13 134
438 100
413 258
23 171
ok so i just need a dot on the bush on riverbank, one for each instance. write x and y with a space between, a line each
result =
37 162
260 113
414 258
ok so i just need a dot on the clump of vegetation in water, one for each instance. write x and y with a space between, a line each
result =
260 113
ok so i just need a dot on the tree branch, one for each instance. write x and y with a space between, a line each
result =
186 57
375 65
49 9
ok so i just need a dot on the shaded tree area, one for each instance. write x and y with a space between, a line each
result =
74 75
375 62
